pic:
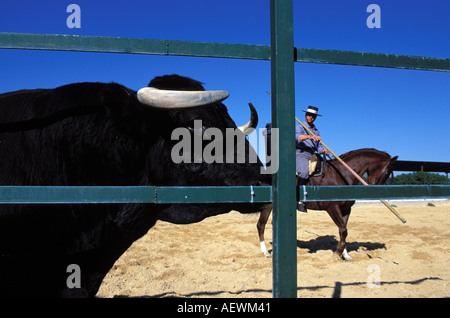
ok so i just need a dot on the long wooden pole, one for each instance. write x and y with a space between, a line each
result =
353 172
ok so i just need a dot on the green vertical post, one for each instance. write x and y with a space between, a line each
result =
283 183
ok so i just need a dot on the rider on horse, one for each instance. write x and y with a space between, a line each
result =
306 145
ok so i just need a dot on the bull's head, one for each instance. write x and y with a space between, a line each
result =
188 101
172 99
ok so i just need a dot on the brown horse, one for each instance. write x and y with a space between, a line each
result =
377 165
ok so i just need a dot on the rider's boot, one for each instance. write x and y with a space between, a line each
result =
301 205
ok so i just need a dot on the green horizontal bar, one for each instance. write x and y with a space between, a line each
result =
220 50
372 59
67 194
101 44
58 42
339 193
242 194
131 194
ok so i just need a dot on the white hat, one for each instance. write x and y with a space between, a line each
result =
312 110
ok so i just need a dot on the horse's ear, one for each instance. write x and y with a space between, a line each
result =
394 159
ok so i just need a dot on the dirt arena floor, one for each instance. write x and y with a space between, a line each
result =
220 257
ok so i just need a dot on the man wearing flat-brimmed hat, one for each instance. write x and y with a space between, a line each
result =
306 144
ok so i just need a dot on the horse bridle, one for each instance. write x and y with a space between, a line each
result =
343 172
383 172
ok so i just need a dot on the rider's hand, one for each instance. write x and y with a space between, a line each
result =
325 151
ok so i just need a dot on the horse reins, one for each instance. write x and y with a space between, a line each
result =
382 173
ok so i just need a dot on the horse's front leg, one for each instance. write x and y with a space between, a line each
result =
340 216
341 250
345 212
261 226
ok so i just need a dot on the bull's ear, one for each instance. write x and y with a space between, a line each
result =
40 122
35 109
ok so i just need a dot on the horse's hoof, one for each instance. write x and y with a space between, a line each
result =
343 256
264 249
346 257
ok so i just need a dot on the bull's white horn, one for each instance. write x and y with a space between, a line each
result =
249 127
169 99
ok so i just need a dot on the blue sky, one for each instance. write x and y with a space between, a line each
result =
403 112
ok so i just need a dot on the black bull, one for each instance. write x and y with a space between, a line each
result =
99 134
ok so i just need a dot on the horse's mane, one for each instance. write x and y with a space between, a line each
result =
363 150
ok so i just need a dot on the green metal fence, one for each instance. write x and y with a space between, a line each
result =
282 194
239 194
102 44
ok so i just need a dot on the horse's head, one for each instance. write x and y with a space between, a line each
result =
377 164
379 171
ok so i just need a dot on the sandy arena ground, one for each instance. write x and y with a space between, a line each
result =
220 257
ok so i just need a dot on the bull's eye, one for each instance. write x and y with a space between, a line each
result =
196 129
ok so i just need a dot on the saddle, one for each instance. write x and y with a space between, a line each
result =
317 165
